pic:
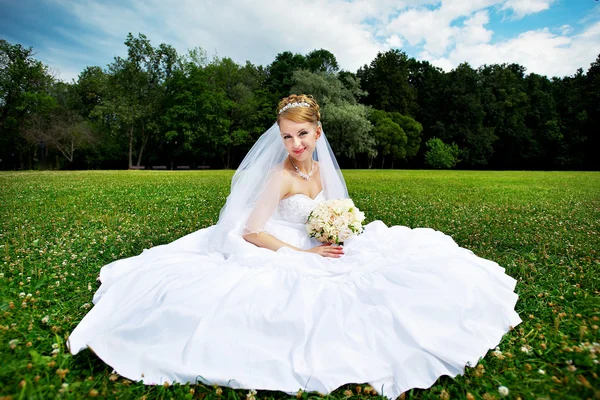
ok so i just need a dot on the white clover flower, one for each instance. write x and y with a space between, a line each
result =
1 274
45 319
22 294
251 394
55 351
503 390
541 372
525 350
86 306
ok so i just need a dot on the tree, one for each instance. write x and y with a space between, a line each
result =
321 61
24 89
541 119
431 85
412 129
505 109
238 85
348 130
136 90
325 87
592 101
280 72
440 154
386 80
463 120
91 88
64 130
346 122
390 138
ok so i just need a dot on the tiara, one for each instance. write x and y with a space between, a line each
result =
292 105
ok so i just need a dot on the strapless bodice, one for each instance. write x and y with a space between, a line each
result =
297 207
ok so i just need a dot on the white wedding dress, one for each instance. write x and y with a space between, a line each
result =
401 308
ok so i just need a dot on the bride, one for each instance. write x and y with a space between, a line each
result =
253 302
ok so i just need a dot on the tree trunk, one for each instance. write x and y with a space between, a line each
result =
131 146
4 115
72 151
144 141
228 166
382 161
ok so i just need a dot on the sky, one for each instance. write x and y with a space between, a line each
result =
548 37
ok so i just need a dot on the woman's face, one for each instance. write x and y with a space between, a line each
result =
299 138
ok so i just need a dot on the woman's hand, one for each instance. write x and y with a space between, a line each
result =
327 250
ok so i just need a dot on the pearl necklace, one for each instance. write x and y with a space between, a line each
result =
302 174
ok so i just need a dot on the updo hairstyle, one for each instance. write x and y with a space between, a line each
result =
299 114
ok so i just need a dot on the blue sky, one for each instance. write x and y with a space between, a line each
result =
548 37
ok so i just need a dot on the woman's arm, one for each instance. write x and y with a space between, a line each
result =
263 239
259 216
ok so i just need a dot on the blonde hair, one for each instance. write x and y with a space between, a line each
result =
299 114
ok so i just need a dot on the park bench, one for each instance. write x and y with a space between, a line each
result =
159 167
137 167
203 166
183 167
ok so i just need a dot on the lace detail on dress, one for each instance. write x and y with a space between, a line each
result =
297 207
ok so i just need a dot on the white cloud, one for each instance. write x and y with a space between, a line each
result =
540 51
446 32
433 29
394 41
473 30
526 7
565 29
254 31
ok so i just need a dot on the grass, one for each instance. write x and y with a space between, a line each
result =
59 228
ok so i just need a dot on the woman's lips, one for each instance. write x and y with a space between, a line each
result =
300 151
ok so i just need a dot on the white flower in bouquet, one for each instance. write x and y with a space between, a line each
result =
334 221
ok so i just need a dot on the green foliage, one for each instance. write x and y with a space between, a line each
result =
348 130
59 228
325 87
155 107
321 61
280 72
396 135
389 137
386 82
24 90
440 154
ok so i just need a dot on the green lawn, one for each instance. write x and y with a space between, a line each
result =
59 228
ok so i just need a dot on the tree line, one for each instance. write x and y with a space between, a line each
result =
156 107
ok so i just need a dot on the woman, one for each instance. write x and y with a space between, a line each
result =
253 302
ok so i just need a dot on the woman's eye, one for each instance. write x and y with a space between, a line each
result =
303 133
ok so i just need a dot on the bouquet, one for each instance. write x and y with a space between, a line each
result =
334 221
